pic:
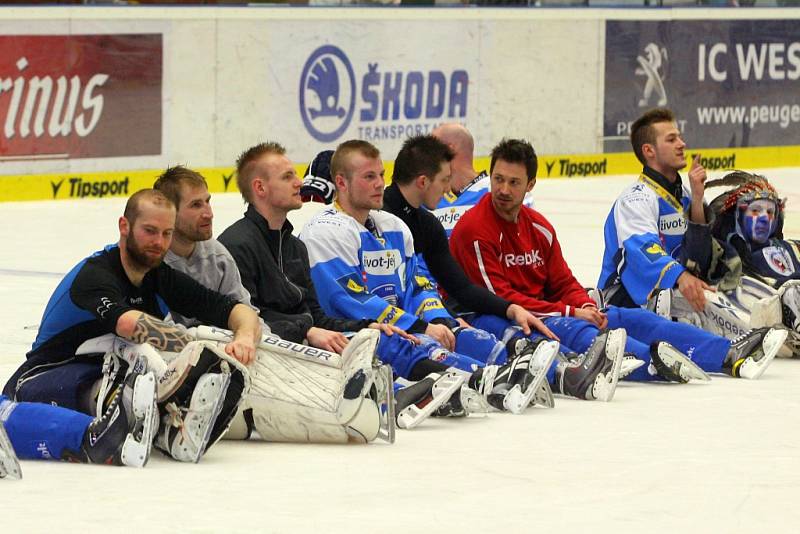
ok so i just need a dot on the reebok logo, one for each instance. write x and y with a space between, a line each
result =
529 258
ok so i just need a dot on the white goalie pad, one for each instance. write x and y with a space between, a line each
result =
304 394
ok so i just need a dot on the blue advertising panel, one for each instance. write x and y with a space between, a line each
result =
731 83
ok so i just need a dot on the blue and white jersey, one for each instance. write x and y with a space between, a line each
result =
359 274
643 234
453 206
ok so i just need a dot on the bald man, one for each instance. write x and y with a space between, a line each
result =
467 186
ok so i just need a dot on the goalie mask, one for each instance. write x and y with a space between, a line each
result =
752 209
757 219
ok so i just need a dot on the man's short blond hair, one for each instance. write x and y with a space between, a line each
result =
247 166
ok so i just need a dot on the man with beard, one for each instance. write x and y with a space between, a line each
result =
125 290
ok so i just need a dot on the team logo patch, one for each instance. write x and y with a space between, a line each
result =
353 288
778 260
386 292
653 251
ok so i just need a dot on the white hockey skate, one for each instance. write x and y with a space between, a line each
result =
752 353
9 465
520 395
674 366
186 432
630 363
416 402
135 451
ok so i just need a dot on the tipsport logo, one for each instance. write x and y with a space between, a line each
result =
391 104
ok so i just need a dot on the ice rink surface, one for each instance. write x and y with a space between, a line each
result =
719 457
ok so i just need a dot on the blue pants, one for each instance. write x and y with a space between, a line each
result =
644 327
402 354
42 431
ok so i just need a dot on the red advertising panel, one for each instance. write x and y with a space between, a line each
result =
80 96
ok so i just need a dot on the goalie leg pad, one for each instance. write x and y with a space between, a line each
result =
300 398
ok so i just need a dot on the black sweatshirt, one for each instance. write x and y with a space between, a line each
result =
430 240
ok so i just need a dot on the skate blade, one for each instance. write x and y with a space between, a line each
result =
544 396
387 430
516 400
217 408
771 344
473 402
136 453
442 389
9 465
605 385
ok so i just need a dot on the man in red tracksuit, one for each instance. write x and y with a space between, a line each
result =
513 251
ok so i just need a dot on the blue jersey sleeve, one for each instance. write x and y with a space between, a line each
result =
644 265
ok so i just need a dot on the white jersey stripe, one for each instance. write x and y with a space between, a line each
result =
482 268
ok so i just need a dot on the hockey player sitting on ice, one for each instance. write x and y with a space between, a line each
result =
658 235
121 435
363 262
467 186
513 250
749 217
112 309
327 405
274 267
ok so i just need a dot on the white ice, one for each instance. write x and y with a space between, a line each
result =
717 457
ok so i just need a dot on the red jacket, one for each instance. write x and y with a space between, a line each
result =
520 262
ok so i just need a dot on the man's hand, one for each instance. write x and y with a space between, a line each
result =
390 329
692 289
592 315
528 321
326 339
697 177
697 181
242 348
443 335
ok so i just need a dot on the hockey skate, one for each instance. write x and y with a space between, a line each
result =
123 434
750 354
185 432
9 465
512 386
596 374
630 363
415 403
674 366
463 403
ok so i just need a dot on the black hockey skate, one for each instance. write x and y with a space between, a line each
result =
415 403
673 365
201 409
9 465
751 353
511 387
123 434
594 376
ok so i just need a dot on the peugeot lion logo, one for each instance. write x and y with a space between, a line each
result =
327 93
653 65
